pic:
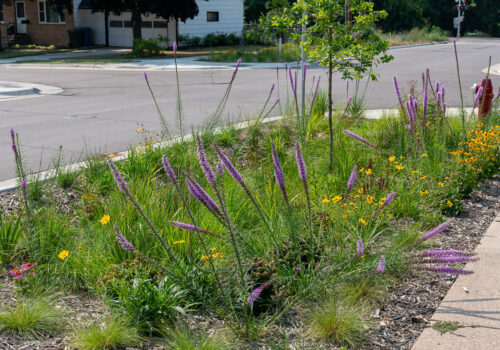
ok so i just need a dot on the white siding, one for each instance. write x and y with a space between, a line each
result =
230 18
120 36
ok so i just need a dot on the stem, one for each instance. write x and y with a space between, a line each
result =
462 114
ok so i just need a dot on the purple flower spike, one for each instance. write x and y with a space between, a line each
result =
387 200
295 83
231 169
434 232
168 169
14 149
448 270
444 108
301 164
381 265
360 248
202 196
436 87
352 178
424 107
272 89
278 173
359 138
126 245
23 184
191 228
479 94
291 80
146 76
451 260
13 136
220 169
122 184
205 166
174 47
237 66
438 98
443 92
256 293
447 252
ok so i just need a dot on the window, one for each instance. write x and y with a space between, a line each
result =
48 13
1 11
146 24
212 16
115 24
160 24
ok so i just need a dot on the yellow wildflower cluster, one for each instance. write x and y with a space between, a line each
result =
212 256
335 199
481 147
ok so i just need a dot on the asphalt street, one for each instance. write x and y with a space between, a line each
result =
100 111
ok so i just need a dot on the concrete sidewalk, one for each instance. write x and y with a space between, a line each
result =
473 301
77 53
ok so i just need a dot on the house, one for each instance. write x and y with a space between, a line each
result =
36 22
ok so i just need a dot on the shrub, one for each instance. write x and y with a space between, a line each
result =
33 319
112 334
146 48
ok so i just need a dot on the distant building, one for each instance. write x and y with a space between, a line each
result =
36 22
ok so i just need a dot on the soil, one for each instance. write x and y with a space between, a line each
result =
397 323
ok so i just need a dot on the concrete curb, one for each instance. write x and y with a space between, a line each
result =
12 184
418 45
473 301
27 90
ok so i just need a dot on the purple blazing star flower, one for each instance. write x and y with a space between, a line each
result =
444 107
237 66
272 89
360 248
359 138
23 184
436 87
174 47
424 107
447 270
438 98
398 94
352 178
202 196
316 90
126 245
122 184
256 293
387 200
301 165
291 80
220 169
381 265
451 260
168 169
446 252
231 169
433 232
278 172
298 269
443 92
13 136
205 166
479 94
191 228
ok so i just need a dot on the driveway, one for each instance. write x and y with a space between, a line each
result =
100 110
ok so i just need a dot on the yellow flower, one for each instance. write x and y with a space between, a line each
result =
361 191
392 159
424 192
111 155
344 216
424 155
147 146
414 172
213 249
337 198
423 177
105 219
179 242
369 199
368 171
440 184
326 200
204 257
389 215
62 255
205 263
449 203
361 170
154 141
139 130
447 178
362 221
399 167
356 196
137 147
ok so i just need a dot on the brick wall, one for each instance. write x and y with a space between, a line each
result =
39 33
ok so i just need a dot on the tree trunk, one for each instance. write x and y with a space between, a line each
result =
136 24
106 27
330 106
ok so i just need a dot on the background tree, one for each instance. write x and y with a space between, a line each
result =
167 9
351 47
